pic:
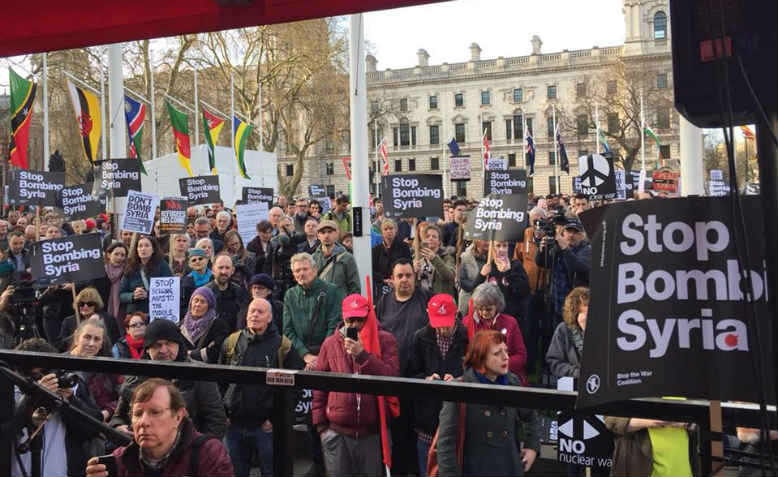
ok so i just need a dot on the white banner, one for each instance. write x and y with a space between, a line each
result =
249 215
165 298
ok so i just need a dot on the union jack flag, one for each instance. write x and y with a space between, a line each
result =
486 149
385 169
530 154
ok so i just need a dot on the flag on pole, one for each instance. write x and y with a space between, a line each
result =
453 147
604 142
747 132
180 123
530 154
564 163
485 149
135 112
385 170
22 96
212 126
345 161
86 105
242 131
650 132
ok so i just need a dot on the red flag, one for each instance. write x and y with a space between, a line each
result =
469 321
487 153
747 132
384 155
346 161
369 338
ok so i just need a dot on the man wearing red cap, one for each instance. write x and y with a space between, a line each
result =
348 423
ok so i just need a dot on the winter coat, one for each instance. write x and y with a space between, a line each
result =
426 360
228 304
443 280
492 436
383 258
276 308
311 315
562 357
344 224
64 341
207 348
213 459
514 286
469 270
517 352
131 281
340 269
350 413
525 252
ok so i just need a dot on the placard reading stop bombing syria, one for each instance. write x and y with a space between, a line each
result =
498 217
74 259
416 195
670 303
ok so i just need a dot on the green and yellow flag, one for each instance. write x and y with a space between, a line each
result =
242 131
22 96
180 123
650 133
212 126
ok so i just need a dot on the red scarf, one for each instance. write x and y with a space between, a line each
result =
135 345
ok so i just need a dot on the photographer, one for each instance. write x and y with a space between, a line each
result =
280 250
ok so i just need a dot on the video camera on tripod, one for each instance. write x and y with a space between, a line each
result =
26 306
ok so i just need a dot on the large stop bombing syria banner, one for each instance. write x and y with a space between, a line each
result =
668 316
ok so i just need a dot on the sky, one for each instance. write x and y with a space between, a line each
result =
500 27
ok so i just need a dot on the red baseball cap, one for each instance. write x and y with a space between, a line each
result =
354 305
442 310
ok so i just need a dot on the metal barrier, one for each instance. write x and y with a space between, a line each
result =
696 411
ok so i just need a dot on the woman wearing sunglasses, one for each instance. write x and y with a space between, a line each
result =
199 275
88 302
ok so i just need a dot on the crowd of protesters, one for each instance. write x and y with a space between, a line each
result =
510 313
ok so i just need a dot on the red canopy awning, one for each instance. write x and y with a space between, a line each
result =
31 26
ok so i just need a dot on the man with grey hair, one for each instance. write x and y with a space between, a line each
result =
202 229
223 223
274 217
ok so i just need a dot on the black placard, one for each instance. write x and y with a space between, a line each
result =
115 177
498 217
200 190
584 441
258 194
511 181
74 259
78 202
35 187
671 319
172 215
598 178
412 195
317 190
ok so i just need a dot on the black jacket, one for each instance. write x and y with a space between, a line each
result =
64 341
229 302
276 307
383 258
207 348
578 261
514 285
426 360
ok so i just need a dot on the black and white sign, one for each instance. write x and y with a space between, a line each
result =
459 168
116 177
671 317
497 164
511 181
139 211
598 178
258 194
165 298
316 190
584 441
302 411
35 187
200 190
498 217
172 215
77 202
74 259
416 195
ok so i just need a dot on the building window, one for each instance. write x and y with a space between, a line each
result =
404 105
663 118
529 126
551 158
459 132
329 146
461 188
411 165
405 134
398 165
396 136
413 135
433 102
661 80
330 190
434 135
330 169
459 100
434 164
518 95
660 25
552 185
508 130
582 125
374 106
611 88
289 170
580 90
550 126
613 123
487 127
664 151
518 127
551 92
512 159
485 98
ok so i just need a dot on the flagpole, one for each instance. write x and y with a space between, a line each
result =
556 158
153 112
116 119
259 120
45 82
232 110
597 128
443 139
524 133
196 122
642 135
102 109
375 140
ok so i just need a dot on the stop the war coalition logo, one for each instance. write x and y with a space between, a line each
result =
670 308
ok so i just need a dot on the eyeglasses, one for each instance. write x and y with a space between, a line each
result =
137 325
197 258
152 413
87 303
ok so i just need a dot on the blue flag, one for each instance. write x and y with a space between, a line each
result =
453 147
564 163
530 155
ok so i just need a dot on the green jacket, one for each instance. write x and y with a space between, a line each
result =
341 272
344 224
310 315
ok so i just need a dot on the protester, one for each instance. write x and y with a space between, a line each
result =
262 286
580 204
199 275
223 223
108 287
652 447
164 342
17 252
144 264
340 214
564 353
178 256
202 327
349 423
259 244
472 262
206 244
250 407
334 264
311 242
385 255
90 340
87 303
243 260
513 282
202 230
274 216
451 229
165 441
300 214
347 240
492 442
488 306
314 209
435 265
282 247
130 346
230 297
437 353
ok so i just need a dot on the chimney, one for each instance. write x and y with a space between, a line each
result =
371 62
423 56
475 52
536 44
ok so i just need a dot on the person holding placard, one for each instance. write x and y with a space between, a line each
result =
512 280
202 327
434 265
471 264
144 263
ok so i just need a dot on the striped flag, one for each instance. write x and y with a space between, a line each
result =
385 170
530 154
564 163
485 149
22 96
180 123
346 167
212 125
135 112
242 131
86 105
747 132
650 133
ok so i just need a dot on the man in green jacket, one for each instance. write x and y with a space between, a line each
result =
312 309
340 214
334 264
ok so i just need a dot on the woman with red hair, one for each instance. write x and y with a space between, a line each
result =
491 433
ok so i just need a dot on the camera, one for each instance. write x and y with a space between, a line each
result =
543 229
66 380
26 306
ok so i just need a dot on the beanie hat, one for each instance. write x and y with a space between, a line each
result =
162 329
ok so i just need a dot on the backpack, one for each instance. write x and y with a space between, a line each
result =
234 349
